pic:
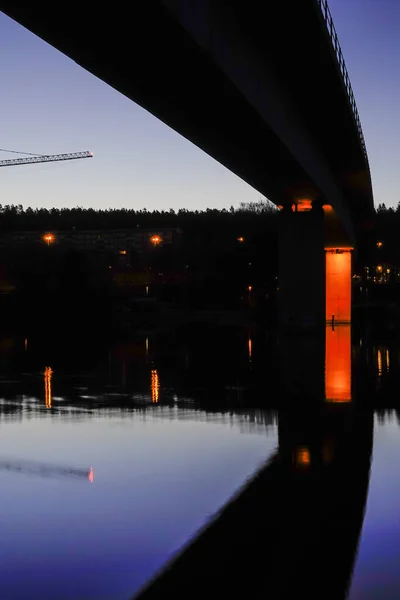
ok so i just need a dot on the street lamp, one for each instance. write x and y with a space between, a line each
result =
49 238
155 240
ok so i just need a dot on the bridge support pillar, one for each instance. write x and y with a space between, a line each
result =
302 269
338 283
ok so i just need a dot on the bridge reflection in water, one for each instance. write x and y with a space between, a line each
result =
293 530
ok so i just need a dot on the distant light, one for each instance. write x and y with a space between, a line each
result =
49 238
155 239
250 288
303 458
379 268
240 239
122 252
387 270
379 244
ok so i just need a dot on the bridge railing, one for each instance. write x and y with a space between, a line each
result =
323 4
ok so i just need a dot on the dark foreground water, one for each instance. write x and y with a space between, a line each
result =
114 454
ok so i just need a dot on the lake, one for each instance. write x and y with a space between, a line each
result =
114 454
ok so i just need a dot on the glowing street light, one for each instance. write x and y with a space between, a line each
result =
240 239
379 244
49 238
155 240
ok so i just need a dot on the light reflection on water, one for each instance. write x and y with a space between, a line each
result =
107 471
156 464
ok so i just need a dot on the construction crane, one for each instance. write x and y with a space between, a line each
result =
41 158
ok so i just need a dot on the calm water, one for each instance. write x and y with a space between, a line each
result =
111 458
113 455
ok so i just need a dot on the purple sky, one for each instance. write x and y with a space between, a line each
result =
368 31
50 105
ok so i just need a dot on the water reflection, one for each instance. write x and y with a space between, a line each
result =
302 457
382 359
26 467
190 424
250 348
305 506
338 364
154 386
48 372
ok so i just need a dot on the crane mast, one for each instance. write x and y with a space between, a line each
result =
44 158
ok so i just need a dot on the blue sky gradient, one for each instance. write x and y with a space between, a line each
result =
368 31
51 105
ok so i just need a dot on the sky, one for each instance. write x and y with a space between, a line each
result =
368 32
51 105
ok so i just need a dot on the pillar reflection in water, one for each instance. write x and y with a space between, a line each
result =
48 372
338 364
301 363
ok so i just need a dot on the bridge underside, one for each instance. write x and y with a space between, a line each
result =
255 85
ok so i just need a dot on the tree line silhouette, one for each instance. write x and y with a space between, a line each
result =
224 258
219 254
17 218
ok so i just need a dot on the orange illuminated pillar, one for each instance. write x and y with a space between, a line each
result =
338 284
338 364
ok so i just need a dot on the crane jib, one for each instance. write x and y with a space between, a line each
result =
44 158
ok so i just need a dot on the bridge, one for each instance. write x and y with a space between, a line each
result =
262 88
